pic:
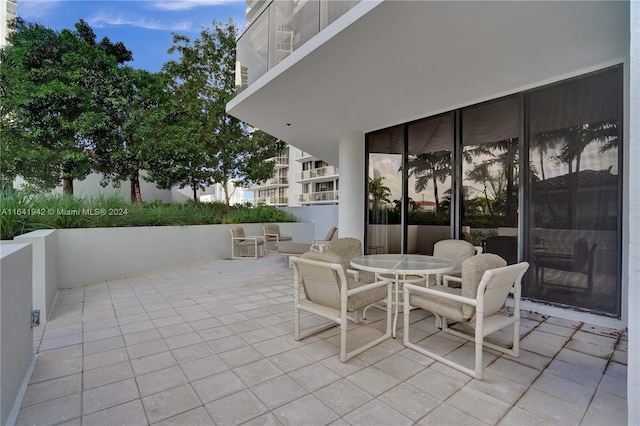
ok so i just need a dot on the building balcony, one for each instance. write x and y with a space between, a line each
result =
271 183
280 29
282 161
303 156
272 201
319 173
324 197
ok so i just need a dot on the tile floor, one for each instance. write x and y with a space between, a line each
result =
213 344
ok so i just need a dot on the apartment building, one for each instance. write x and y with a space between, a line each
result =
8 11
300 179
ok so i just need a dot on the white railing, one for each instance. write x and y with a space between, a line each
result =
318 197
271 201
282 27
316 173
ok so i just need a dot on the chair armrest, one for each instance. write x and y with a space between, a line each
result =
318 246
366 287
447 278
431 292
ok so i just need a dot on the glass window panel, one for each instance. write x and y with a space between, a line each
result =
252 52
574 193
429 165
337 8
384 228
490 175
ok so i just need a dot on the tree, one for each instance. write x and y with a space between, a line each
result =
430 167
217 148
140 116
52 113
378 191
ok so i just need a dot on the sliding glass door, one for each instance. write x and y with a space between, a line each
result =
533 176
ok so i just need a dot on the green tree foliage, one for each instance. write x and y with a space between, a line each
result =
214 147
53 105
140 114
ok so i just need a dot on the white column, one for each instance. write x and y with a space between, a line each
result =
351 165
633 268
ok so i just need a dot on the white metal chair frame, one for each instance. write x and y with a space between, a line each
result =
275 236
332 277
248 241
491 295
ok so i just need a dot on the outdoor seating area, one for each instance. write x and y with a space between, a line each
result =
211 344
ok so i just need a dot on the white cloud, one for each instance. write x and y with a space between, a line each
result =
188 4
103 20
31 10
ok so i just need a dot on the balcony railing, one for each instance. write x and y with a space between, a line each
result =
281 28
316 173
272 201
283 181
318 197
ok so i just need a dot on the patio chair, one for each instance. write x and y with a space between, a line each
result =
581 261
272 233
486 284
331 295
290 248
348 248
456 250
240 241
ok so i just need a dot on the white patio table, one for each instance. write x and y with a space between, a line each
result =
400 265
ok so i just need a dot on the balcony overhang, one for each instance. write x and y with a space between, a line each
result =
385 63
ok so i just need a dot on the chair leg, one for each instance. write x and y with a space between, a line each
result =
479 341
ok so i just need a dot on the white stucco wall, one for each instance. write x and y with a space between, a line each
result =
633 268
16 335
45 269
322 216
87 256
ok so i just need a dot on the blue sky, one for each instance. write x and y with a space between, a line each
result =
144 26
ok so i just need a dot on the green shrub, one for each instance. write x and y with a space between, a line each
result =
24 211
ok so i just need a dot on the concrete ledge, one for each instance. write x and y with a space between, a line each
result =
16 335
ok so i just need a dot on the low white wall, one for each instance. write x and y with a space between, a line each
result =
44 243
16 335
91 255
323 216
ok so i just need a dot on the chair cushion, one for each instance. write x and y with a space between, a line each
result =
443 307
472 271
289 247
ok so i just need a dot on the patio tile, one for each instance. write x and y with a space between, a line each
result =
105 375
606 409
131 413
51 412
194 348
161 380
551 407
163 405
147 348
236 408
308 411
373 380
195 417
342 396
192 352
519 417
278 391
377 412
100 359
153 362
410 401
257 372
446 414
52 370
217 386
110 395
203 367
478 404
52 389
241 356
435 384
575 393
